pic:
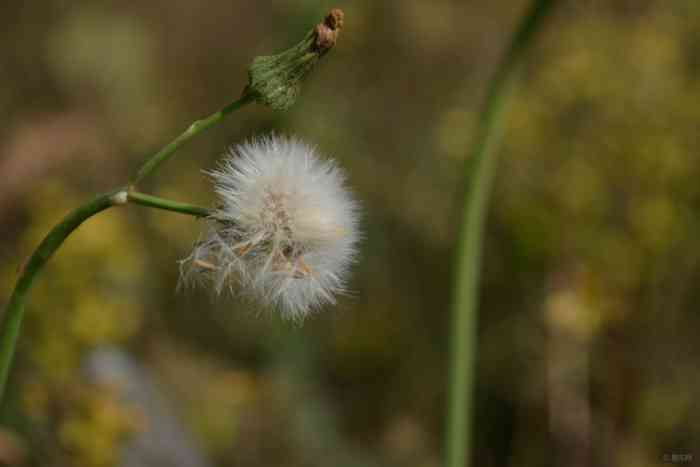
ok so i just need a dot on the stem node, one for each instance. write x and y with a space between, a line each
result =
119 198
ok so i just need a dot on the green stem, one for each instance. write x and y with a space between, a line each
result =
14 312
193 130
480 168
166 204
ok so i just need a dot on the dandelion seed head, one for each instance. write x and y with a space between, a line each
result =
285 230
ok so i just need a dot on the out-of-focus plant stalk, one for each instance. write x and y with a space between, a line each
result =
479 172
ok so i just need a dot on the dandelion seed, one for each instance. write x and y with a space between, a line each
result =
285 230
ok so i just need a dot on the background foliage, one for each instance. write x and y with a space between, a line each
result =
588 333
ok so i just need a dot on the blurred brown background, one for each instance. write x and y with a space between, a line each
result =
588 332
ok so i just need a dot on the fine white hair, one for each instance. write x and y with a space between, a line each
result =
285 230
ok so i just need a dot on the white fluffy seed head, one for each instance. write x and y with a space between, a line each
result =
285 230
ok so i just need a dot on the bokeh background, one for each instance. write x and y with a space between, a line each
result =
588 334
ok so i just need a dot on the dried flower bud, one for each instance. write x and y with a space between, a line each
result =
334 19
275 80
286 228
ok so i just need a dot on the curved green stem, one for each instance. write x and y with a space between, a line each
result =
14 312
193 130
480 168
166 204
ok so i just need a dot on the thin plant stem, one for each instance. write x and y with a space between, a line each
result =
14 312
479 171
193 130
159 203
